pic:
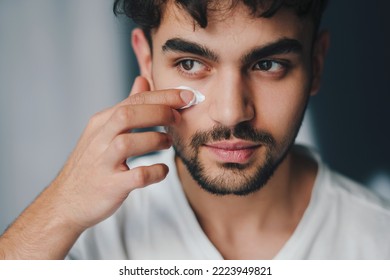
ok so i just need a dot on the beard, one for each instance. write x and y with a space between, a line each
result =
233 178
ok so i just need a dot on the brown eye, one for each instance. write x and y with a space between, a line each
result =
265 65
271 66
191 67
187 64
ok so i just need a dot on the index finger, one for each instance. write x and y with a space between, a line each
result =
174 98
141 94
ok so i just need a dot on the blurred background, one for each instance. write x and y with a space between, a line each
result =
62 61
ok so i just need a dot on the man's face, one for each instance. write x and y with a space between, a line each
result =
255 74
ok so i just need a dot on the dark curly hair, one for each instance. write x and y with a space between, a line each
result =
147 13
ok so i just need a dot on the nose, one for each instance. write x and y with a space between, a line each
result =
230 102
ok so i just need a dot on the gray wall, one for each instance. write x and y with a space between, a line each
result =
61 61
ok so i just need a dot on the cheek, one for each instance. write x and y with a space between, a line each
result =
160 78
190 123
279 107
163 74
192 120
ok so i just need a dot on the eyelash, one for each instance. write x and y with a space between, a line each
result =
283 64
180 68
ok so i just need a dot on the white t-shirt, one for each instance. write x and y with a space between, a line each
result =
343 221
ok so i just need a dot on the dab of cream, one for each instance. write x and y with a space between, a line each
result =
198 97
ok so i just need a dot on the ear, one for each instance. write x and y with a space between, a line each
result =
143 53
321 46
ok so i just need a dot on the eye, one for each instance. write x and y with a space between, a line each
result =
270 66
191 67
187 64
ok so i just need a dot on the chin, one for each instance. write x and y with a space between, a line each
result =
230 178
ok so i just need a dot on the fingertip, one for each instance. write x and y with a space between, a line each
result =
161 172
177 116
166 169
151 175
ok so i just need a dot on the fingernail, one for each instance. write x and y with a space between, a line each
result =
187 96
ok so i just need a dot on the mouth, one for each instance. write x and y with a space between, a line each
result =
232 151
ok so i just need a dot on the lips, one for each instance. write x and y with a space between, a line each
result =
232 151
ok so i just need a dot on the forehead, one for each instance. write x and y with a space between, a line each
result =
234 29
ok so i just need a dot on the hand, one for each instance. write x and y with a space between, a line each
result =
96 180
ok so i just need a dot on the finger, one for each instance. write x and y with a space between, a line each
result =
99 119
129 117
141 176
174 98
134 144
141 94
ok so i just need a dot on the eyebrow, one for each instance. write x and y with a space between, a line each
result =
281 46
183 46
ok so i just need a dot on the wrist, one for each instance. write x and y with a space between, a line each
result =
42 231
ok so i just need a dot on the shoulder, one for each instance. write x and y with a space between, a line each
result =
357 219
355 195
339 189
344 220
348 203
361 219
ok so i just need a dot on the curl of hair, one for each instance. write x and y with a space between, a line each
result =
147 13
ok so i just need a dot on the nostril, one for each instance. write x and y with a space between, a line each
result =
231 111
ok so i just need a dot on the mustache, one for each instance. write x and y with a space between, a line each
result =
243 131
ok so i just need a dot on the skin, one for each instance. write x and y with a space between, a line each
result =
95 180
257 225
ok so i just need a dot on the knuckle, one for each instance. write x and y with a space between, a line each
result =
165 99
138 99
122 143
95 119
155 139
169 98
140 176
123 114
